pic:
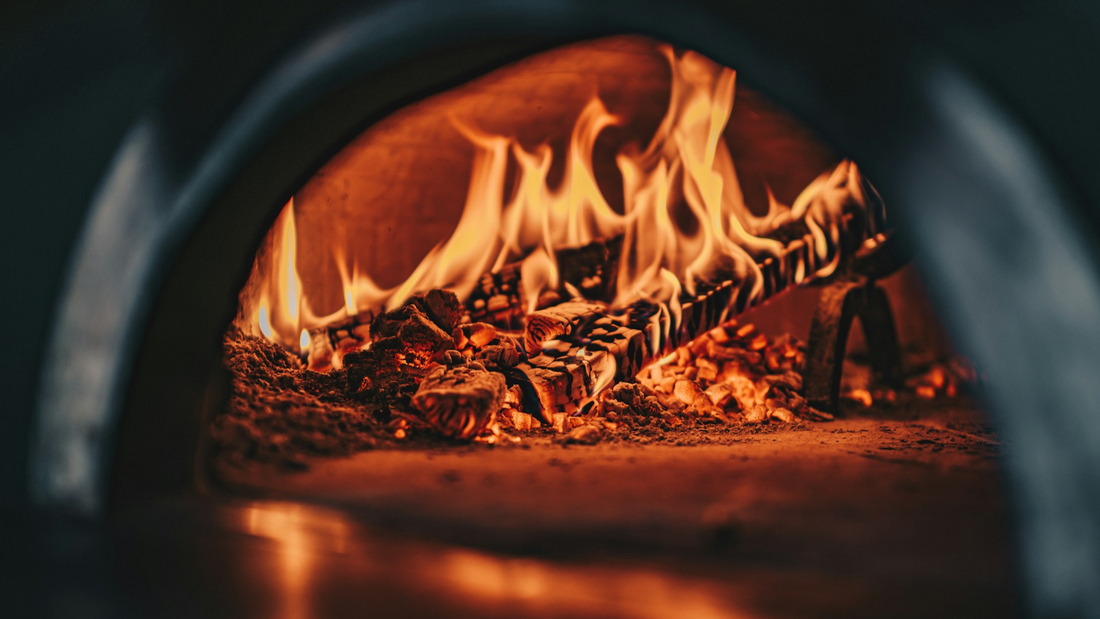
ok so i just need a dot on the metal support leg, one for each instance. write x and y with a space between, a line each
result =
841 303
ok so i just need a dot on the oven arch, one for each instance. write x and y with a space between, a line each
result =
995 226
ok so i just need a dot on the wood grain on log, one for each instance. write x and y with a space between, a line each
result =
552 322
460 401
499 297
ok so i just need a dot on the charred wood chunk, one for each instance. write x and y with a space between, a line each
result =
503 355
563 381
453 357
421 340
378 370
559 384
405 343
592 268
625 344
354 328
545 384
440 306
474 335
552 322
631 399
389 323
498 298
460 401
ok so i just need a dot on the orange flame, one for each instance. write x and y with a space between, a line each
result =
686 163
280 307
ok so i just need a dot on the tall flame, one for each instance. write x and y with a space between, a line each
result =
280 307
684 221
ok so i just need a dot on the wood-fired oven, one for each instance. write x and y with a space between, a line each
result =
560 294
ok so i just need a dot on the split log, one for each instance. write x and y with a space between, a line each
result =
460 401
624 343
593 268
559 376
560 382
576 343
499 299
570 343
553 322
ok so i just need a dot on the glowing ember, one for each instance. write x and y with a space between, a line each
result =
862 396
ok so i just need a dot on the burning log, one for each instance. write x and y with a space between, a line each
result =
580 343
582 349
578 340
482 342
592 269
624 343
440 306
562 381
570 344
552 322
460 401
499 298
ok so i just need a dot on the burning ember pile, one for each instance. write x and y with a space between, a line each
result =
550 310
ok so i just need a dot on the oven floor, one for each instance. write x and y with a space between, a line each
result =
896 514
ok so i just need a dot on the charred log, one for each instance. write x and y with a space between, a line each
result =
553 322
460 401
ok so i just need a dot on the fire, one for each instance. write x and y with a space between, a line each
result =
279 311
264 320
683 222
862 396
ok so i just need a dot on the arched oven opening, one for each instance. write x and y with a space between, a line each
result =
442 309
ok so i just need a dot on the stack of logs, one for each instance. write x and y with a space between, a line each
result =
458 366
476 378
